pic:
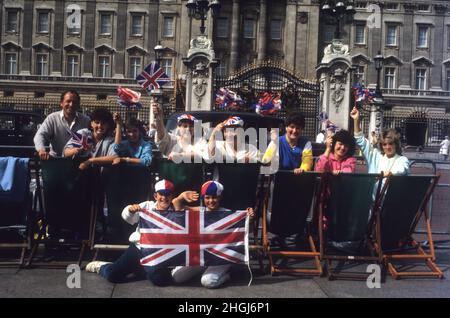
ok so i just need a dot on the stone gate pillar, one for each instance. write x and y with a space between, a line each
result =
335 76
200 63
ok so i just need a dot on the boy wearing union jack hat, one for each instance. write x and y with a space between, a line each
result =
129 262
181 143
233 147
212 276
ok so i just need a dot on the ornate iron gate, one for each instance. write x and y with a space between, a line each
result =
297 94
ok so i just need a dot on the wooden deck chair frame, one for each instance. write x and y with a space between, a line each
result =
420 254
29 205
40 229
327 256
313 253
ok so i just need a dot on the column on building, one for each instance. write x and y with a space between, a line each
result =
89 39
234 51
406 48
437 47
262 37
57 53
290 33
27 39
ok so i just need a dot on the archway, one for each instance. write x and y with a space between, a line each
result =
416 129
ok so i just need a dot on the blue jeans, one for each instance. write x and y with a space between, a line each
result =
129 263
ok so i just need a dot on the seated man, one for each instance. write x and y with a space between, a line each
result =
54 131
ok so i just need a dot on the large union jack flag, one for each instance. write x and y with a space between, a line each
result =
152 77
80 140
193 238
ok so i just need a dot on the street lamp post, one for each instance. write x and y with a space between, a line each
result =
339 11
198 9
157 92
378 104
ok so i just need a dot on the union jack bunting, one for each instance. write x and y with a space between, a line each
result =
80 140
152 77
193 238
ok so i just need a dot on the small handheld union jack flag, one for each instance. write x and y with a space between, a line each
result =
79 140
152 77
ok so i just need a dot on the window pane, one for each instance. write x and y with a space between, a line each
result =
136 25
11 63
389 77
421 79
105 24
222 27
360 34
248 28
166 65
72 65
422 36
43 22
41 64
135 67
11 23
391 35
168 27
275 29
328 33
448 80
103 66
360 74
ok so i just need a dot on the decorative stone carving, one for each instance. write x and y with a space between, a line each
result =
338 80
335 49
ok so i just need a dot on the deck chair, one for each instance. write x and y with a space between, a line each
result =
69 203
405 203
15 209
123 185
240 181
184 176
346 213
291 204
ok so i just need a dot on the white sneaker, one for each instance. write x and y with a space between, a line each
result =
94 267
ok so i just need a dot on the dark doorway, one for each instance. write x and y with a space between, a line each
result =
416 129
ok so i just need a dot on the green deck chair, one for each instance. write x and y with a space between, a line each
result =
123 185
184 176
346 214
68 205
405 203
291 204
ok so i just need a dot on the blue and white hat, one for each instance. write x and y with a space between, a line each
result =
164 187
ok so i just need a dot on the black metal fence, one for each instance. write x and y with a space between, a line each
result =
296 94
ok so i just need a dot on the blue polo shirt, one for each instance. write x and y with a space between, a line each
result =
291 157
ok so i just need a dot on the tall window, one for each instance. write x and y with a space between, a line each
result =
222 28
11 63
249 28
136 24
43 22
104 67
11 21
222 69
391 35
105 23
275 29
72 65
360 33
422 36
389 77
448 80
360 75
448 36
166 65
42 64
328 33
135 66
421 78
392 6
168 29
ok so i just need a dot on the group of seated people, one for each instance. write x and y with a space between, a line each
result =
71 134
